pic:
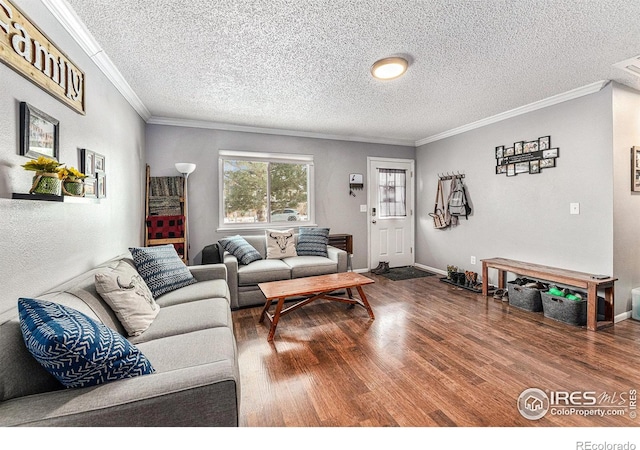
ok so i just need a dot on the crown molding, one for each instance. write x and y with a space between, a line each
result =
155 120
544 103
61 10
79 32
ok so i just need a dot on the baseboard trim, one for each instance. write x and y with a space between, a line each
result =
430 269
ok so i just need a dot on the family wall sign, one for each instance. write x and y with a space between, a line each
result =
526 157
27 50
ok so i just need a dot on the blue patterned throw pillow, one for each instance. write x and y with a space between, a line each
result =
76 349
313 242
241 249
161 268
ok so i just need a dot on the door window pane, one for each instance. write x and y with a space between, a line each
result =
392 192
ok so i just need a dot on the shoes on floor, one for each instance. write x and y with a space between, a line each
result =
501 294
383 267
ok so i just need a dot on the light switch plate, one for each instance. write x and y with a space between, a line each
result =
363 208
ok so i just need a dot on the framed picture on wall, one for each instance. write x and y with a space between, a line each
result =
635 169
99 162
499 151
534 166
548 162
88 162
90 187
39 133
101 189
517 148
545 143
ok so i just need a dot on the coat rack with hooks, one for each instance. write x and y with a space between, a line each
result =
450 176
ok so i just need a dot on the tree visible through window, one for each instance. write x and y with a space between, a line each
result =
263 192
392 186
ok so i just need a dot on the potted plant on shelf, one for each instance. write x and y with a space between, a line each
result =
46 180
72 181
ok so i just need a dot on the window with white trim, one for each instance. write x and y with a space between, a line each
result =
265 189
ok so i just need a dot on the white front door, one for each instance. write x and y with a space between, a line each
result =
390 211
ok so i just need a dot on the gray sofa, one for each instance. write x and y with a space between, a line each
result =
190 344
243 279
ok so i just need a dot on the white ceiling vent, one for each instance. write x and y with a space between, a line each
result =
631 65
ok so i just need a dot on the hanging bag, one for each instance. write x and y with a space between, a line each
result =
438 216
458 205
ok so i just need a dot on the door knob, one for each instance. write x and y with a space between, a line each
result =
373 221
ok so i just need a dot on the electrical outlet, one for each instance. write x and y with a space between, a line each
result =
574 208
473 260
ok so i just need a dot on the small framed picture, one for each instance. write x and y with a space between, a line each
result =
522 167
530 147
544 143
546 163
88 161
635 169
99 162
518 148
499 151
550 153
102 186
511 170
90 187
534 166
508 151
501 169
39 133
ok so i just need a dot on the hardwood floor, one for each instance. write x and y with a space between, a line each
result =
435 356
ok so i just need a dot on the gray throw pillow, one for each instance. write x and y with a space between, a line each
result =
313 242
161 268
241 249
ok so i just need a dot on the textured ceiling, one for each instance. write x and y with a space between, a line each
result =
304 65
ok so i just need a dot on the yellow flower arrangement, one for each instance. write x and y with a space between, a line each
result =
70 174
43 164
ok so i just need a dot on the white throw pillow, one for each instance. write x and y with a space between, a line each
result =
280 244
129 297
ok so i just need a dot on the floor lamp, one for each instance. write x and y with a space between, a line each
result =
185 169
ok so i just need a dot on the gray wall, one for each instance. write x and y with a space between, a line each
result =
626 205
334 161
46 243
526 217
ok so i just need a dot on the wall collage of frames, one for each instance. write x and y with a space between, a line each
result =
526 157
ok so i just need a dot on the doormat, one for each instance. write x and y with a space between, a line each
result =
405 273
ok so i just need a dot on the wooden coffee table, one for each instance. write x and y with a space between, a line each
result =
318 287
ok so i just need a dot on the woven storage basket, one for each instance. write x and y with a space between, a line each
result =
573 312
524 298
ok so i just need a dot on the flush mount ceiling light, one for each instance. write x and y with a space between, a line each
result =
389 68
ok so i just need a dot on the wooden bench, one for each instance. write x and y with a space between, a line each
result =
590 282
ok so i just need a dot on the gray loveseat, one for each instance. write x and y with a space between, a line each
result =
243 279
190 344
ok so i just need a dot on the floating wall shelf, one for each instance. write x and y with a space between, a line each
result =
54 198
